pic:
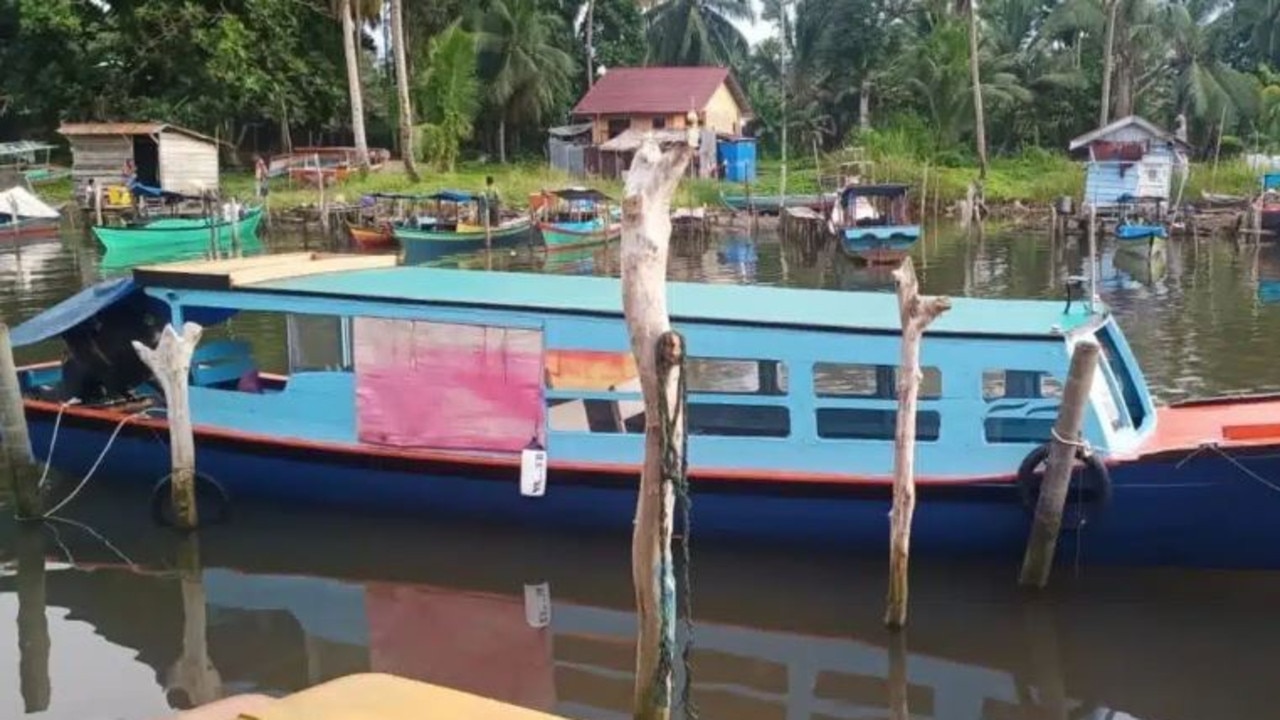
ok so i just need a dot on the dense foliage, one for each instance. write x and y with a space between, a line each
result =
489 77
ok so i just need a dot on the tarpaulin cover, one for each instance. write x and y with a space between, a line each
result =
477 643
72 311
25 204
446 386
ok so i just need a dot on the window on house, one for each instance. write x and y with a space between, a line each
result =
618 126
870 381
659 123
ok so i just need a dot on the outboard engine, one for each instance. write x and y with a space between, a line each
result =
102 364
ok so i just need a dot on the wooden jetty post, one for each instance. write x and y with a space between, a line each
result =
97 202
324 206
24 477
33 623
899 685
1038 560
646 239
917 314
170 361
193 674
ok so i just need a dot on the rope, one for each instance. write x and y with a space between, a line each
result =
674 422
1081 443
101 456
1213 445
53 439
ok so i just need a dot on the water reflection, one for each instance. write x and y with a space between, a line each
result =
777 636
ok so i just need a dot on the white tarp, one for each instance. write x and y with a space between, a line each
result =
25 204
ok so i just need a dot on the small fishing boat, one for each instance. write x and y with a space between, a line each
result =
379 213
174 231
31 159
578 217
24 216
456 224
872 225
1270 202
1134 231
418 390
774 204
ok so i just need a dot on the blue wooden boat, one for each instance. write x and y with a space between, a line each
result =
415 390
448 230
871 222
1134 232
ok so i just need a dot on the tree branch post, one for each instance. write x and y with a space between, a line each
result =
170 362
1038 560
646 236
24 477
917 313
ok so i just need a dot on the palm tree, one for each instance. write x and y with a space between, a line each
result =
528 71
402 90
975 79
347 12
698 32
1204 85
450 94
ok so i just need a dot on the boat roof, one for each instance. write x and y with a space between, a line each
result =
880 190
23 147
733 304
580 193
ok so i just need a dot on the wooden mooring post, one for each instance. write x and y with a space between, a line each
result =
1038 560
646 239
24 474
33 620
916 313
170 361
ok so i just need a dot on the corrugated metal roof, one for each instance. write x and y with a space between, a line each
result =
127 128
657 90
1132 120
630 139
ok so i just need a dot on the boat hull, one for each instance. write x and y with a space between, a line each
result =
1143 247
167 232
371 238
561 236
422 246
773 204
30 229
1271 220
1191 508
880 245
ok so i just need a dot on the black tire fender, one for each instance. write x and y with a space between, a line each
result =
1092 477
208 490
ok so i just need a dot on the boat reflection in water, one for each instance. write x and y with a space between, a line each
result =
283 602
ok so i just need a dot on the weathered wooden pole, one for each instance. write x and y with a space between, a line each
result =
33 623
170 361
916 313
899 684
97 202
646 237
324 206
24 477
1038 560
193 673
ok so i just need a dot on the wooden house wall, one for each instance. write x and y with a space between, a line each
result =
99 158
187 165
1150 177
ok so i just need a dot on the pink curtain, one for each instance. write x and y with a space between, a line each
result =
446 386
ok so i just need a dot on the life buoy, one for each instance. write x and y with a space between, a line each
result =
210 495
1089 491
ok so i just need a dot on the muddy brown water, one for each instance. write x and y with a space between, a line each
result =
106 616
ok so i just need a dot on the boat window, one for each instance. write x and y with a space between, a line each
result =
738 420
318 342
1123 376
1030 408
869 381
873 424
998 384
747 377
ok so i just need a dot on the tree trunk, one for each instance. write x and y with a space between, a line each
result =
407 151
591 48
646 236
975 77
1124 87
502 140
353 82
864 105
1108 63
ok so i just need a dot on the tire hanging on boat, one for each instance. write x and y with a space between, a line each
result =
208 491
1089 492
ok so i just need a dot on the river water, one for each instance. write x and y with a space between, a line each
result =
105 616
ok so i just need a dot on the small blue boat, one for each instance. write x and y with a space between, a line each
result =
872 223
1134 232
417 389
449 230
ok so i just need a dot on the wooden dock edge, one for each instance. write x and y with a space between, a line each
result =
368 696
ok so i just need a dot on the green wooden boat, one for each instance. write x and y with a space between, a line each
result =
578 217
773 204
168 232
434 241
568 235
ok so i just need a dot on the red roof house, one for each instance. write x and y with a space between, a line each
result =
656 98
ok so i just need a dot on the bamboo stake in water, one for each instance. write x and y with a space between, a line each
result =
33 621
916 314
24 476
170 361
646 241
1038 560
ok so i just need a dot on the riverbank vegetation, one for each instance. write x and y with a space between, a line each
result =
894 78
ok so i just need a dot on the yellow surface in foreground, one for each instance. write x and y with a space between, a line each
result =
374 696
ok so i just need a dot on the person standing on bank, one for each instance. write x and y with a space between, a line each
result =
492 201
260 176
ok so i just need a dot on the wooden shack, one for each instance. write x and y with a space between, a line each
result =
165 156
1129 158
